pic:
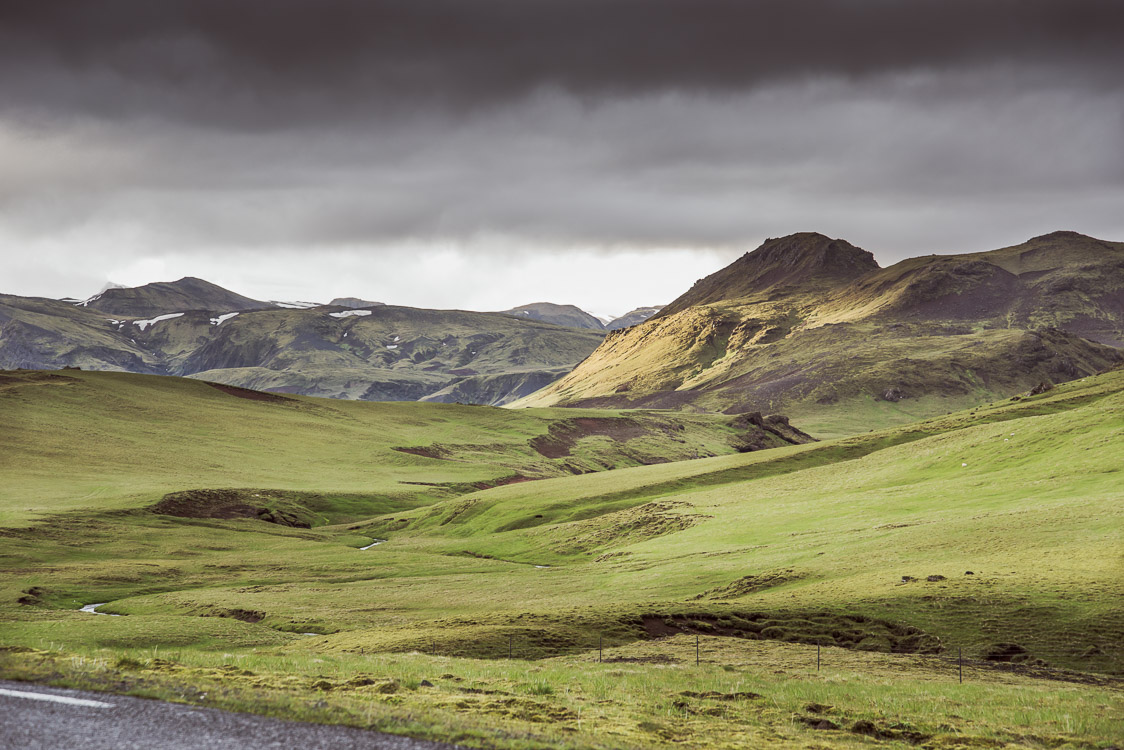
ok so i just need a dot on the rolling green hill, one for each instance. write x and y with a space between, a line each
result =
997 530
377 353
80 439
811 327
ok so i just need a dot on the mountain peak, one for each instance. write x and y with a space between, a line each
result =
570 316
804 259
355 302
1060 235
162 297
816 255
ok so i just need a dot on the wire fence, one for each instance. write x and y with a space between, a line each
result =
699 650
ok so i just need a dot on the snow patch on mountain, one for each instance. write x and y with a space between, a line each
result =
295 305
143 324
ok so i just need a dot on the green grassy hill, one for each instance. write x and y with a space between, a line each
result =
811 327
861 545
82 440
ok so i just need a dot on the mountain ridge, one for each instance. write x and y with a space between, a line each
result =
788 329
383 352
570 316
633 317
164 297
804 259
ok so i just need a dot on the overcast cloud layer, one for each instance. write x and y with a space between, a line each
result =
484 154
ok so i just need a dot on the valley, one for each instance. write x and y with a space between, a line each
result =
810 503
238 553
562 375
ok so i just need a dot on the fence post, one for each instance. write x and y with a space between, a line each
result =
598 648
960 658
510 638
817 657
696 650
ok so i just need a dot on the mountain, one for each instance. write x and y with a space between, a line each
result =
811 327
166 297
805 262
353 302
383 353
633 317
1062 280
560 315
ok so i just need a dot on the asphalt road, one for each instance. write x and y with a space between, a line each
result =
34 717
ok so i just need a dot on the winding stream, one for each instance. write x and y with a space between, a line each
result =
93 609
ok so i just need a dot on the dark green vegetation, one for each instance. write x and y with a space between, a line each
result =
378 353
811 327
862 545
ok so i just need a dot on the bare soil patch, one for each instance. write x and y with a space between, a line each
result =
245 615
226 504
845 631
562 436
246 393
423 451
504 481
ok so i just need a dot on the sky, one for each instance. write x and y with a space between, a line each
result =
488 153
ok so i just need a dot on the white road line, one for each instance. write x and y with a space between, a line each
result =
55 698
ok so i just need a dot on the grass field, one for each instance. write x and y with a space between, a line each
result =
762 556
79 440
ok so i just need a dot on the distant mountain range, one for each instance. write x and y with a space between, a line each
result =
352 348
804 325
812 327
190 293
631 318
574 317
162 298
353 302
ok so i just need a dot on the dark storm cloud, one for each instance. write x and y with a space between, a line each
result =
283 62
140 136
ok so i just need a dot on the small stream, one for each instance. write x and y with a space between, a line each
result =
93 609
375 543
